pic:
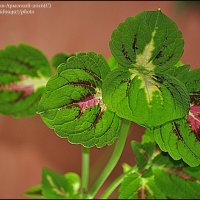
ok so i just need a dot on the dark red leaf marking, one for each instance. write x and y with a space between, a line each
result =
125 53
177 131
195 98
160 54
18 87
135 43
194 120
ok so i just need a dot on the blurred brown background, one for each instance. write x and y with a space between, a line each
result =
27 145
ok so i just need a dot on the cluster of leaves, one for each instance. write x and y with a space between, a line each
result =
158 176
146 83
57 186
155 176
86 99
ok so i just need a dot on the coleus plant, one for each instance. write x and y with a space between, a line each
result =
72 104
24 73
92 102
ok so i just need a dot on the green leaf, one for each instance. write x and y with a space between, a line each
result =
162 177
177 185
59 59
179 64
126 167
150 40
134 186
194 172
146 46
56 186
147 99
129 187
179 141
181 138
74 180
34 192
178 71
24 73
143 153
72 104
148 137
141 184
113 64
191 80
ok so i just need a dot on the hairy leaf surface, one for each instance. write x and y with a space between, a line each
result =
24 73
72 104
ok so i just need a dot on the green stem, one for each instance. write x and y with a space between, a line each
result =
85 168
113 160
114 185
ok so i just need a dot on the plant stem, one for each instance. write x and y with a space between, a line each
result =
85 168
114 185
113 160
